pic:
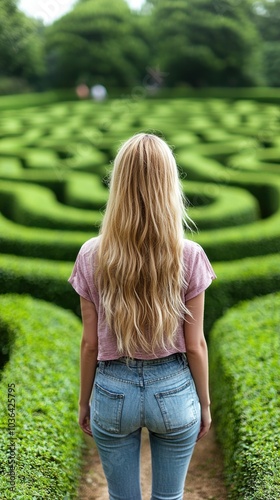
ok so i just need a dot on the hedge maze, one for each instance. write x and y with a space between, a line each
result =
54 163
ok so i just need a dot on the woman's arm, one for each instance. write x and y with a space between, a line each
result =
197 354
88 361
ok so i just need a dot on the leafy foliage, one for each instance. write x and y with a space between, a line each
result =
199 43
21 44
244 360
54 155
205 42
43 365
96 42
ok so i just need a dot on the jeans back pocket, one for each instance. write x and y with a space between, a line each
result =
107 409
178 407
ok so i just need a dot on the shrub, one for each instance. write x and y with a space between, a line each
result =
214 206
55 244
258 94
41 278
85 191
43 365
258 238
244 361
37 206
35 99
241 280
46 279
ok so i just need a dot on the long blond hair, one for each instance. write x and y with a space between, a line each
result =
139 267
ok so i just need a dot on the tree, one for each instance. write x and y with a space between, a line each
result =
267 18
21 44
99 40
206 42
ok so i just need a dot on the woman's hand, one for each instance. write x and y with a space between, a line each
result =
205 422
84 419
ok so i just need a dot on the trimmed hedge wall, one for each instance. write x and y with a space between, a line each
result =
244 362
258 238
19 101
32 205
215 206
47 280
230 150
240 280
261 94
43 342
53 244
36 206
41 278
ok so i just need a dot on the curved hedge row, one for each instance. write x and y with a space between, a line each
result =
19 101
215 206
258 238
244 361
56 146
55 244
240 280
43 343
47 280
260 161
78 189
36 206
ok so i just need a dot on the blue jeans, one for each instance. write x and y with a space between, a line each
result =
158 394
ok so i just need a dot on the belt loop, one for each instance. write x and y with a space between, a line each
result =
101 366
185 359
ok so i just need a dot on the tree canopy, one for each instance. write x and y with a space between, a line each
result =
190 42
206 42
21 45
99 40
267 19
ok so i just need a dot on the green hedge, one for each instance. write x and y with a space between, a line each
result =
85 191
244 361
261 161
19 101
79 189
261 94
266 188
41 278
36 206
242 279
225 205
43 364
25 204
53 244
258 238
215 206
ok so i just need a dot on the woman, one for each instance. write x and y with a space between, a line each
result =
143 351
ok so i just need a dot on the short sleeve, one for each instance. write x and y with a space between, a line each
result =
200 273
79 278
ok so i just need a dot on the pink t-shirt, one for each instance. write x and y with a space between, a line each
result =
199 276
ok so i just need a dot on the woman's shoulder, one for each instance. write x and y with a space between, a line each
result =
191 247
193 253
90 245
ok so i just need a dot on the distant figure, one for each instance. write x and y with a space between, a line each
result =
82 91
98 92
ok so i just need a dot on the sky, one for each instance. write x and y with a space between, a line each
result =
49 10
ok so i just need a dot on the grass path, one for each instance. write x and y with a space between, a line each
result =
204 481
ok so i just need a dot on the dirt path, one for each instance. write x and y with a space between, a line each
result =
204 481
